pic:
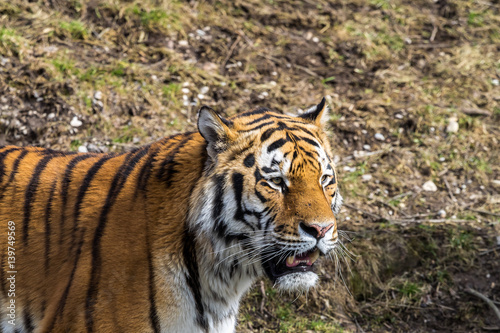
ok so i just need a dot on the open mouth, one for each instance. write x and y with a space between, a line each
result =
302 262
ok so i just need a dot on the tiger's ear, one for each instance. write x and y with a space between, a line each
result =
317 114
215 129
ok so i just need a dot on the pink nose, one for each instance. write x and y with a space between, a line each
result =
316 230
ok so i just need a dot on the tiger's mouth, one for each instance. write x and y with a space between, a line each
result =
298 263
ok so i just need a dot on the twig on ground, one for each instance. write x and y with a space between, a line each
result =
401 221
264 297
307 70
431 46
475 112
486 299
483 212
363 154
230 53
482 253
401 195
450 193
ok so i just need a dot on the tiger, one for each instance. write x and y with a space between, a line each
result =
167 237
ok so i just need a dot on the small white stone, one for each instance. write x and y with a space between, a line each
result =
379 136
223 84
367 147
441 213
185 97
75 122
154 77
185 103
204 90
452 125
347 218
274 73
442 159
315 39
185 90
200 96
398 116
273 83
457 191
82 149
495 82
51 116
200 32
429 186
183 43
496 182
185 84
98 95
366 177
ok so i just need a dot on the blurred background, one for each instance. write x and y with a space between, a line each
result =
414 90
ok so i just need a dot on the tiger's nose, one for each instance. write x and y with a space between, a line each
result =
315 230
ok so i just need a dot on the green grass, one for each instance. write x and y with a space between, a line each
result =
76 29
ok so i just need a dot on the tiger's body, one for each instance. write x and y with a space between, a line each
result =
167 237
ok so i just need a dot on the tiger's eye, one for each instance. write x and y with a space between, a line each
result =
277 180
325 179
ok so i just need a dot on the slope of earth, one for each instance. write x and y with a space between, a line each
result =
414 88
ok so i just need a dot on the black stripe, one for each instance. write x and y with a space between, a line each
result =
64 297
13 173
48 213
249 161
28 321
3 280
3 156
167 169
153 313
253 112
82 191
193 277
267 123
116 186
311 142
64 190
238 180
302 129
268 170
30 193
276 144
267 116
260 196
218 202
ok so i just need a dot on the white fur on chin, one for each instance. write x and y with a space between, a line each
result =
297 281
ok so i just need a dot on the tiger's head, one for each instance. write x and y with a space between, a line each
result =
272 196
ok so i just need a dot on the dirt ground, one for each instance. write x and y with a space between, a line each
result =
415 94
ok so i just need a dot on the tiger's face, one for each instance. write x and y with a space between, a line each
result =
280 195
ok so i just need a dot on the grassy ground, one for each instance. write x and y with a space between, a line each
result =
414 86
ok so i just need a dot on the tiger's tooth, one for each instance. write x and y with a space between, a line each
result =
290 260
314 256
